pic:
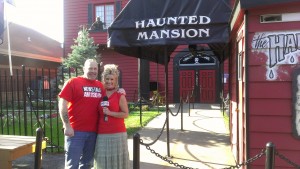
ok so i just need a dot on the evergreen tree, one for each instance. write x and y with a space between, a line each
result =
83 48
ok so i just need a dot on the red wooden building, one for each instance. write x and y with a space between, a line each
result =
203 77
263 60
260 72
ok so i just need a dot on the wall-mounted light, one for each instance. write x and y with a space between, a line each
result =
193 49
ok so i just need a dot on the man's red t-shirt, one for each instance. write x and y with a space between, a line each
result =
84 96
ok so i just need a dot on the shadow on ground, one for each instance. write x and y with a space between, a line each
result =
50 161
56 161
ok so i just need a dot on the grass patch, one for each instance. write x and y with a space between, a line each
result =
133 122
226 121
53 126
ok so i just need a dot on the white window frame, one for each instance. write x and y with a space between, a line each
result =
189 55
281 17
240 59
106 12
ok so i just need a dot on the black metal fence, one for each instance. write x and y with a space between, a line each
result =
29 100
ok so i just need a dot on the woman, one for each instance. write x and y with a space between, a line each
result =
111 147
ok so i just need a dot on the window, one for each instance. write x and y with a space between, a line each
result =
285 17
201 58
240 58
106 14
270 18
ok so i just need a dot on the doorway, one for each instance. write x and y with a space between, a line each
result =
201 84
196 76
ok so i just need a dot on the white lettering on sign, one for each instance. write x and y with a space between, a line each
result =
173 33
279 47
94 92
180 20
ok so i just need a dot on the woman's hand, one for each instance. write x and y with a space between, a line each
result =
106 111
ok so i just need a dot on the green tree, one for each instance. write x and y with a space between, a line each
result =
83 48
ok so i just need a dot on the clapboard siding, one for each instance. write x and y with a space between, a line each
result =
270 107
270 90
129 71
270 101
99 37
279 139
284 72
75 14
258 124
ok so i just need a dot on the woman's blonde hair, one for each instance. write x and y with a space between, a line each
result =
110 69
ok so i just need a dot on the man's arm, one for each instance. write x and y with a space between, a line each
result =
63 111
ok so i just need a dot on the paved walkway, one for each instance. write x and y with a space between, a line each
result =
203 143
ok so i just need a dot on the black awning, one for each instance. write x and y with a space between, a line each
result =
148 28
245 4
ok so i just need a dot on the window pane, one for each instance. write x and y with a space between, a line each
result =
106 14
109 15
199 59
100 12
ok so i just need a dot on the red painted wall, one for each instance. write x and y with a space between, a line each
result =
75 14
270 101
129 72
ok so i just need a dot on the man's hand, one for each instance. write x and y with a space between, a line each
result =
69 131
122 91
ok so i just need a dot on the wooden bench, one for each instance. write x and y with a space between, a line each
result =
13 147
